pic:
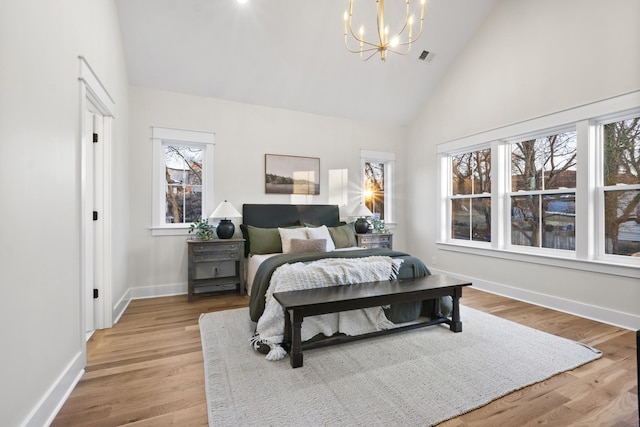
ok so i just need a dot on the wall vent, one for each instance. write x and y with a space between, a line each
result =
425 56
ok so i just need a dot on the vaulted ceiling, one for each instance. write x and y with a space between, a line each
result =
290 54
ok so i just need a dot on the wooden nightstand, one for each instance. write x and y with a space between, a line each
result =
215 265
375 240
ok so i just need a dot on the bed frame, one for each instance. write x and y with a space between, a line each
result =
274 215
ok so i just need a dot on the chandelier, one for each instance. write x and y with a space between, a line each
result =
399 42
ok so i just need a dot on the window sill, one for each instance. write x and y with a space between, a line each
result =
597 266
170 231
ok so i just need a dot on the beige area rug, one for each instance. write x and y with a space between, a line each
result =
413 378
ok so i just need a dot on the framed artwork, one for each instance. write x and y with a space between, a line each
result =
291 174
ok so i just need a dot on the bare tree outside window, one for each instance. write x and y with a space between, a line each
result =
183 171
622 169
374 188
471 200
541 216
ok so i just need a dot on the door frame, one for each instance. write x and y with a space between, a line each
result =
94 96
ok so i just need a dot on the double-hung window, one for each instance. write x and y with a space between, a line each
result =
563 186
182 178
543 191
620 186
470 200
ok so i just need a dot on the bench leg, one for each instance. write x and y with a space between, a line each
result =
456 324
295 353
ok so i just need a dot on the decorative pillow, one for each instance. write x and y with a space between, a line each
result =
299 246
322 232
264 240
344 236
286 234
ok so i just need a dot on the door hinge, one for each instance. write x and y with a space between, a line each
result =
95 215
95 293
95 138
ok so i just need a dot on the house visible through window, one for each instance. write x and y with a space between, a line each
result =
543 200
471 196
182 178
183 166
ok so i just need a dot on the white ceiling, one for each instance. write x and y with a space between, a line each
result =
289 54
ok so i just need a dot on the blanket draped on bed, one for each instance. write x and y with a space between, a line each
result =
321 273
411 267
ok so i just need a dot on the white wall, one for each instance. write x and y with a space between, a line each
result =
244 134
529 58
41 332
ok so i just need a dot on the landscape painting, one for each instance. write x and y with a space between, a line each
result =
292 174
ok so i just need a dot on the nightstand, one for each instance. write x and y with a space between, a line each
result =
215 265
375 240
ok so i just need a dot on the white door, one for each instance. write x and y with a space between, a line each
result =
93 237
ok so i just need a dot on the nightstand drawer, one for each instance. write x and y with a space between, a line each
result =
374 239
215 256
218 247
212 270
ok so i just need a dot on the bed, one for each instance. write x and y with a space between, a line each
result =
264 227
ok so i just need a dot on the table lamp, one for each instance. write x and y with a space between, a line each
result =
225 227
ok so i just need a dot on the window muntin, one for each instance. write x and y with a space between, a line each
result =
543 182
471 196
621 176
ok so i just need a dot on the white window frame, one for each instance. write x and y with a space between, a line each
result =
160 137
589 253
508 193
597 132
389 161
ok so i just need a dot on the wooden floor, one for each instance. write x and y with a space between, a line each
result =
148 371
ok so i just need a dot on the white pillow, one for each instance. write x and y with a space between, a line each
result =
322 232
286 234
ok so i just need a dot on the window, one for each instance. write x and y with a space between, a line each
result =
374 188
621 186
543 200
471 196
562 189
182 178
377 172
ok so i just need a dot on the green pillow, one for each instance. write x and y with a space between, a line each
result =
264 240
343 236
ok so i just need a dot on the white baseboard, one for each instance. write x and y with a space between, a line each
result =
599 314
50 404
143 292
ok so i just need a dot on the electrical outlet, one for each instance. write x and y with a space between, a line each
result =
434 261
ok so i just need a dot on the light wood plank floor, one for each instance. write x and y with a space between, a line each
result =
148 371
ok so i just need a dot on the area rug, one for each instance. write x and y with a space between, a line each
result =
414 378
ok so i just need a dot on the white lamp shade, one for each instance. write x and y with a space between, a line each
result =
361 210
225 210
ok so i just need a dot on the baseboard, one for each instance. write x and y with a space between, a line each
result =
50 404
143 292
121 306
599 314
155 291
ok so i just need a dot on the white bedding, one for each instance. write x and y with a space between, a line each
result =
254 262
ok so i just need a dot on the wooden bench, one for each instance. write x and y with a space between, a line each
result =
333 299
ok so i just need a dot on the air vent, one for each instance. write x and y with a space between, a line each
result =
425 56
